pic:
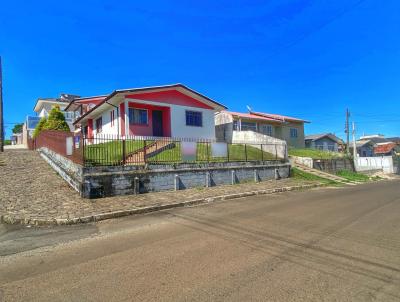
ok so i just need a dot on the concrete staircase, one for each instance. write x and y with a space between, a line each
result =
156 147
323 174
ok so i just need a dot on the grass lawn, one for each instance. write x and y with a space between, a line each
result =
301 175
315 154
111 153
354 176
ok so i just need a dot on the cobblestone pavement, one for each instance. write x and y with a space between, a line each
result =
31 189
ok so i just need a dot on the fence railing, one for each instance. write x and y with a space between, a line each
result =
107 150
110 150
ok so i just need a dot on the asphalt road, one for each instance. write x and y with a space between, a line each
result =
338 244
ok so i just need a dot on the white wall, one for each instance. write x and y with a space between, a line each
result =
106 127
269 144
384 163
179 128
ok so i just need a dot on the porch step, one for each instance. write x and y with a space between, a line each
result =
323 174
139 156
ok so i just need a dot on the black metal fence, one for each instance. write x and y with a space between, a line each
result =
109 150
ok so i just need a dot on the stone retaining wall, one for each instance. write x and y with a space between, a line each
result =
95 182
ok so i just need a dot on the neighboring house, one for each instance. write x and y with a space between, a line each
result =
16 139
395 140
28 128
365 148
44 105
158 111
375 145
324 141
386 149
230 124
79 106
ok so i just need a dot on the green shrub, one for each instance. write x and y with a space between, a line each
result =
56 120
39 127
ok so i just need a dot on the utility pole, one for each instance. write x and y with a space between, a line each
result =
347 131
354 143
1 111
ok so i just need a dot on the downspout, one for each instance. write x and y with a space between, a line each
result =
117 115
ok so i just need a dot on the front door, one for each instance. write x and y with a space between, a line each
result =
157 123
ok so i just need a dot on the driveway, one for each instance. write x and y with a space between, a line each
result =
337 244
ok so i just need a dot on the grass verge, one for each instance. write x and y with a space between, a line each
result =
301 175
315 154
354 176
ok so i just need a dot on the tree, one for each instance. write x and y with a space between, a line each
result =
39 127
17 128
56 120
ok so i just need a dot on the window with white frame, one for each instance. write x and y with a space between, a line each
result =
194 118
138 116
293 133
248 126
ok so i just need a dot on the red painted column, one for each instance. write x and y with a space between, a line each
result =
90 128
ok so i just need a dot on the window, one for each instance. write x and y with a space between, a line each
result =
194 118
248 126
99 124
138 116
235 126
266 129
112 118
293 133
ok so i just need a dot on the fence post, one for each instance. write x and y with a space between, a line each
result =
245 151
83 151
208 150
123 151
144 150
276 153
262 153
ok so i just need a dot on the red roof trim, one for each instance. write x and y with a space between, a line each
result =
280 117
146 89
252 116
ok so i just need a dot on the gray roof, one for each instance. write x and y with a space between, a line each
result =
314 137
395 139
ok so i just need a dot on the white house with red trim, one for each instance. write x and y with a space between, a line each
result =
158 111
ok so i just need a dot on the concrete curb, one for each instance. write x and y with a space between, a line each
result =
9 219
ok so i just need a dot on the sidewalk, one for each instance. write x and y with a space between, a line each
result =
32 193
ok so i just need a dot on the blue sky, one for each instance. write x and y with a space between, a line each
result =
309 59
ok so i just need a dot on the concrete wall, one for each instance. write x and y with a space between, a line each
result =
297 142
269 144
102 184
326 165
383 163
94 182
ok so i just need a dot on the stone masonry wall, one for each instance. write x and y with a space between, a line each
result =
122 183
95 182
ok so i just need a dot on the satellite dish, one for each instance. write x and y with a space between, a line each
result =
249 108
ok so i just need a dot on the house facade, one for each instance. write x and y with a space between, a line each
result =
324 141
230 125
158 111
44 105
